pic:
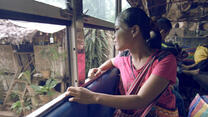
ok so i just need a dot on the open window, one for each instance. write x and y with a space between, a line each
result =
42 39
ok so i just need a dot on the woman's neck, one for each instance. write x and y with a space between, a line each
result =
140 56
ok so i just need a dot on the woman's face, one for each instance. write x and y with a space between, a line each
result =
123 36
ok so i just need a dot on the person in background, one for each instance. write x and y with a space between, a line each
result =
193 78
164 25
132 33
200 59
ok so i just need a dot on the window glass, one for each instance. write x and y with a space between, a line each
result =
57 3
102 9
125 5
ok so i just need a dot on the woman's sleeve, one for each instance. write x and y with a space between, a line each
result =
166 68
116 61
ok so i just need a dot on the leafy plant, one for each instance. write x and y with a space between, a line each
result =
52 52
17 107
14 96
96 48
1 73
26 76
26 101
52 55
27 104
47 88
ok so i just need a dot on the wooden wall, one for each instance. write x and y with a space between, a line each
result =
6 59
44 60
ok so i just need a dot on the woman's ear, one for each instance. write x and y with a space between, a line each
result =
135 30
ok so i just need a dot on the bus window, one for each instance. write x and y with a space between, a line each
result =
102 9
125 5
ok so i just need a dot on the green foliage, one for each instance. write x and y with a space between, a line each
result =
52 53
96 48
27 104
1 73
26 76
17 107
53 56
14 96
46 89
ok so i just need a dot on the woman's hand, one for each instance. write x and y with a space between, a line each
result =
81 95
94 72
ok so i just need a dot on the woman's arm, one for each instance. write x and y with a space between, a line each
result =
106 65
94 72
148 92
186 67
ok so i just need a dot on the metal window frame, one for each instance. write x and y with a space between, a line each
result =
30 10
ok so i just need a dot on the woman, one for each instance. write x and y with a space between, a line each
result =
132 33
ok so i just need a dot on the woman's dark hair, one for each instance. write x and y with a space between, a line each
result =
136 16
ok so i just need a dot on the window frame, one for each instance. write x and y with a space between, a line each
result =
30 10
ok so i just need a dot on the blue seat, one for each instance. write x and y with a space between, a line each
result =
106 83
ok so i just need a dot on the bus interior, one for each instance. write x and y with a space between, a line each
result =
49 45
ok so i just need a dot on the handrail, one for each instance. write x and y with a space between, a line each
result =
47 106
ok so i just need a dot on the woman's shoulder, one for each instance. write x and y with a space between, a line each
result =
163 54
